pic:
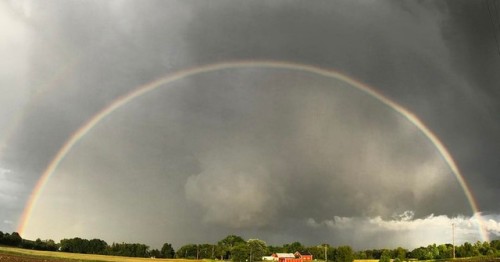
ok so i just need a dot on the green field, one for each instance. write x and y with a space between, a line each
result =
62 256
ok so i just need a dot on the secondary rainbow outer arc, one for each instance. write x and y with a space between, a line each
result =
141 90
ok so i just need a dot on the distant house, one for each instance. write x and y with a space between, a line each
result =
289 257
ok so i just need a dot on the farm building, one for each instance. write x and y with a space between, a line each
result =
303 255
289 257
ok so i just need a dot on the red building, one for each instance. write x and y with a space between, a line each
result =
289 257
304 255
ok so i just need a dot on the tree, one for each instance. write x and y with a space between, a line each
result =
432 251
129 250
495 244
467 250
15 239
344 254
421 253
385 257
187 251
258 249
167 251
38 244
330 253
155 253
318 252
361 255
97 246
205 251
400 253
240 253
226 245
293 247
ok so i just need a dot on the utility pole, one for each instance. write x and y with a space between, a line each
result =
453 238
326 255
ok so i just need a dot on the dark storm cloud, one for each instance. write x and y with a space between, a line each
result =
439 60
469 32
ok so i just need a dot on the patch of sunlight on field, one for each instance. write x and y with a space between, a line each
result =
89 257
365 260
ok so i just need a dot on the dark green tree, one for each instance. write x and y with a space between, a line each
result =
128 250
155 253
331 252
167 251
467 250
240 253
226 245
15 239
97 246
258 249
344 254
74 245
318 252
206 251
187 251
360 255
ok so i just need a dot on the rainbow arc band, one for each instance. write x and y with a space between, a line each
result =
143 89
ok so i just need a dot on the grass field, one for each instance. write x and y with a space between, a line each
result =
34 255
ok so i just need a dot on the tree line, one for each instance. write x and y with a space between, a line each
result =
236 249
85 246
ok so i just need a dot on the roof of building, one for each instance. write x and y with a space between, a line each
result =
303 253
284 255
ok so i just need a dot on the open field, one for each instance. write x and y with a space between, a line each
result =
18 254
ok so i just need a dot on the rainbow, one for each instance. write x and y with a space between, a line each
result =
141 90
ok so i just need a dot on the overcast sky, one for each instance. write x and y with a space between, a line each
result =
271 153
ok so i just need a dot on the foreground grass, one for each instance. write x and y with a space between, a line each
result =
77 257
